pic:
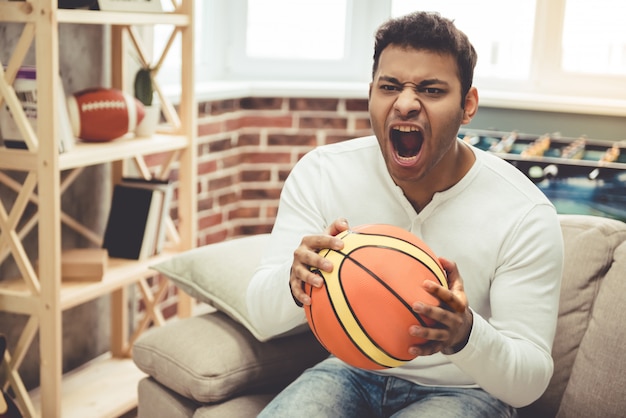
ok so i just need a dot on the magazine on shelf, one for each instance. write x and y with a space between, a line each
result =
25 86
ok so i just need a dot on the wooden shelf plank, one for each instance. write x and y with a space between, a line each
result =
25 12
85 154
120 272
16 11
104 387
17 159
15 298
99 17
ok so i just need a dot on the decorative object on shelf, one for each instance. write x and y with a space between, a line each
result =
83 264
103 114
144 92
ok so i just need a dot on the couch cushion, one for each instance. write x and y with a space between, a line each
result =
210 358
218 274
156 401
598 384
245 406
589 243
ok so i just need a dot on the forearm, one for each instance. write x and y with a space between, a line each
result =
512 369
270 305
269 299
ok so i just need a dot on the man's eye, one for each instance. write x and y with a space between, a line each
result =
389 87
431 90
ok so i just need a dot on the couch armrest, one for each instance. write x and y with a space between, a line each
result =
590 311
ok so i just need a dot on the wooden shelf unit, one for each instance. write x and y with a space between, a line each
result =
106 386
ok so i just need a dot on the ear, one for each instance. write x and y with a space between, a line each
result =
471 105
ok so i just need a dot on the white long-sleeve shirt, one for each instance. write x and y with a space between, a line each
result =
497 226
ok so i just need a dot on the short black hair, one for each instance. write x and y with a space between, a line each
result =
432 32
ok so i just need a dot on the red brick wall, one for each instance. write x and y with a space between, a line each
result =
247 148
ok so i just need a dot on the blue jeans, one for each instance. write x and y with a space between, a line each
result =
336 390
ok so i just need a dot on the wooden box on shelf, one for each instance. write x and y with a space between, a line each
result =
84 264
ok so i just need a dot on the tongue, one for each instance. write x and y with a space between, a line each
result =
408 144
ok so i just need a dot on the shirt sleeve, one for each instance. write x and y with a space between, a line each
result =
509 351
270 303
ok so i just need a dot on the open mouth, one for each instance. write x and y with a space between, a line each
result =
407 141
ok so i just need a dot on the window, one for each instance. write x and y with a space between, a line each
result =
294 32
299 39
594 43
504 45
531 52
562 47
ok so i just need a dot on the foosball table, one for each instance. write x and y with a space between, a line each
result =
579 175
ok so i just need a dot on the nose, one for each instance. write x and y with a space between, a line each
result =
407 103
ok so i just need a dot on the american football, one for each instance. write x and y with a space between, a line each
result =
103 114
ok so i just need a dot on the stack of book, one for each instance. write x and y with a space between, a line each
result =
136 226
25 86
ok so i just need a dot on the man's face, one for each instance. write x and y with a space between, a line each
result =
415 110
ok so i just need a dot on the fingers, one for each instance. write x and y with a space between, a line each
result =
426 349
307 260
304 262
298 290
454 297
445 323
338 226
453 317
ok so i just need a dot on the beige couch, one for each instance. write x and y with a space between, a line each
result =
213 366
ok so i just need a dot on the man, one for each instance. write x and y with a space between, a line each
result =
497 235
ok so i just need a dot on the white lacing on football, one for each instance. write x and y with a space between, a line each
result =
103 104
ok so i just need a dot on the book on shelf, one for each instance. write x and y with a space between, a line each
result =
130 5
25 86
165 187
136 226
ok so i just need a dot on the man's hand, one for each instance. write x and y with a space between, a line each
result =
454 318
306 257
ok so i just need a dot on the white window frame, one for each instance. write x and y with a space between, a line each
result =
224 70
547 59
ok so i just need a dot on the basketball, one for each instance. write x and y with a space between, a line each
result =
362 313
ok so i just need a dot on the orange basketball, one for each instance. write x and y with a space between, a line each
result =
363 312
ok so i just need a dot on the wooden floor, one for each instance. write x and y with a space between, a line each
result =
104 387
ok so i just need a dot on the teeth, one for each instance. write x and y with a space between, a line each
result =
405 128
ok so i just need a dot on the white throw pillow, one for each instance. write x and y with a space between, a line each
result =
218 274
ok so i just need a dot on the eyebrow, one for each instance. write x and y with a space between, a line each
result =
423 83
